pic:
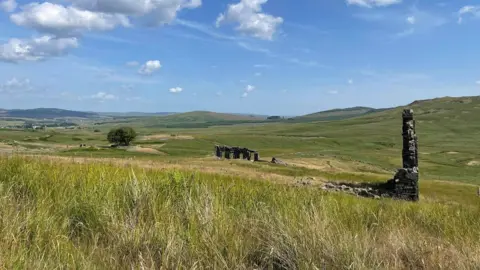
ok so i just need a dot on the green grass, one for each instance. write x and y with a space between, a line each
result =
443 125
105 217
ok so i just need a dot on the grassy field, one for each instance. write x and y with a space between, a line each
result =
92 216
166 203
448 131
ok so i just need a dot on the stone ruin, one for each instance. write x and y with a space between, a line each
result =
228 152
404 184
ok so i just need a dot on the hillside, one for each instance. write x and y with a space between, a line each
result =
206 116
337 114
49 113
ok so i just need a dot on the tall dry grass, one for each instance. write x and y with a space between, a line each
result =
89 216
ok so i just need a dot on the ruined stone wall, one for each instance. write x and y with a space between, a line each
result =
238 153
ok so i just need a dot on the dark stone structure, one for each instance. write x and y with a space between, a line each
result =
218 151
238 153
404 184
227 152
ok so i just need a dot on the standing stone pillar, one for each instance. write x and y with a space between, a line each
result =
405 182
218 151
227 152
244 153
236 153
409 152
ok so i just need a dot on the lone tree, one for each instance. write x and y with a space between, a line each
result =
121 136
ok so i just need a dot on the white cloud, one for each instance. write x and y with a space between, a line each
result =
36 49
59 20
14 85
372 3
258 74
248 89
8 5
132 63
248 14
411 19
158 11
473 10
350 81
175 90
102 96
478 82
333 92
149 67
219 93
261 66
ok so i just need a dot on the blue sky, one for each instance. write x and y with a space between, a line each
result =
245 56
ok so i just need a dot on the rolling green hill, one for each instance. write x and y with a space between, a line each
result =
196 119
337 114
49 113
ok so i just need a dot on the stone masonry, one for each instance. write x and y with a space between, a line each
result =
238 153
404 184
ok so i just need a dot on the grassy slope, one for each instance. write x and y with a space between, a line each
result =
107 217
336 114
448 132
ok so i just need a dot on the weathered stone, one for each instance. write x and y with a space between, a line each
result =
278 161
218 151
404 184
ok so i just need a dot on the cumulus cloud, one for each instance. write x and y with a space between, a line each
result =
248 89
150 67
8 5
158 11
59 20
373 3
36 49
102 96
472 10
175 90
250 19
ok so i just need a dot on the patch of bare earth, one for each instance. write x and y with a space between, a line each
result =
335 166
473 163
146 150
166 137
452 153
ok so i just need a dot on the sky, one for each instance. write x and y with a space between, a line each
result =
274 57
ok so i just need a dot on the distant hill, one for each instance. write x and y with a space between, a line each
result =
134 114
337 114
49 113
206 116
195 119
